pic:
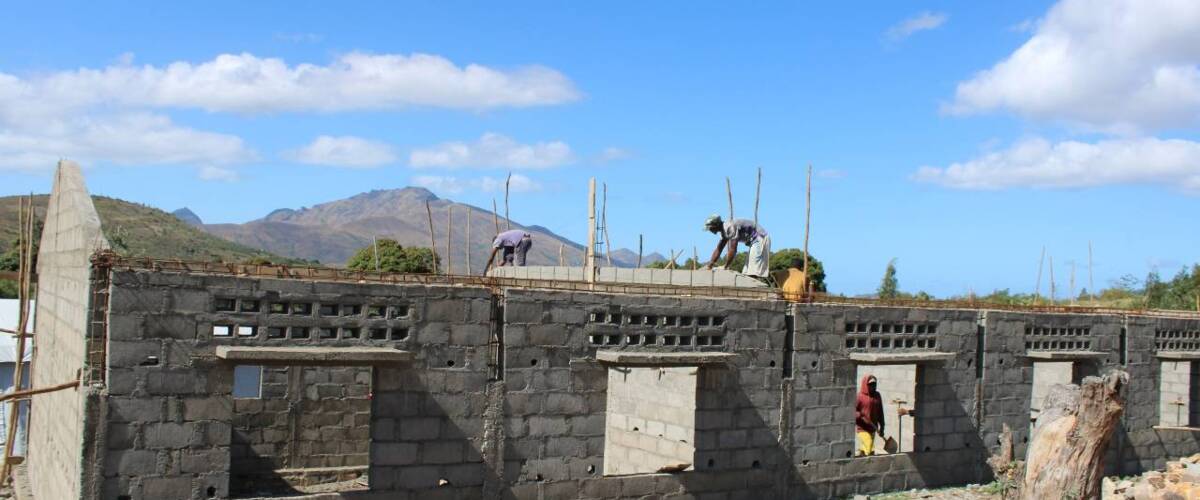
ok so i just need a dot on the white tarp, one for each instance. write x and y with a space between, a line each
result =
9 316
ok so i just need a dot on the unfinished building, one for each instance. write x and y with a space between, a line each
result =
232 381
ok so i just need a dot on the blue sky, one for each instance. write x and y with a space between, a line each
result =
957 138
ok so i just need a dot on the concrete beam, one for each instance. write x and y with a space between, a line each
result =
343 356
1064 355
663 358
896 358
1180 355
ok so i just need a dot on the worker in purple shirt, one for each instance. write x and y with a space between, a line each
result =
516 243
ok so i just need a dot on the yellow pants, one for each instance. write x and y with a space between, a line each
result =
866 443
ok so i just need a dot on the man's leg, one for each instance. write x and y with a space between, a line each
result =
508 257
757 263
523 249
866 443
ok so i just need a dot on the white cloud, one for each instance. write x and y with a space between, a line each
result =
1040 164
211 173
454 185
1120 66
344 151
612 154
920 22
493 150
123 139
245 83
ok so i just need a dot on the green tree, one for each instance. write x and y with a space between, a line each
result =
393 258
816 270
889 287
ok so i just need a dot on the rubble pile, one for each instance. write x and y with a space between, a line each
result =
1180 481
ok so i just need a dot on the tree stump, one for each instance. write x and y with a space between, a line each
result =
1065 459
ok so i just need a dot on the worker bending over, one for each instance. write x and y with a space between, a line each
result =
515 243
743 231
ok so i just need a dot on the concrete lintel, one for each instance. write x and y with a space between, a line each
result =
896 358
1182 355
1064 355
1172 428
314 355
663 358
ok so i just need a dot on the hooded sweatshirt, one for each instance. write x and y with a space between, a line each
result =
868 409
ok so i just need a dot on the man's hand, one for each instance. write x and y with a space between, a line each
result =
881 431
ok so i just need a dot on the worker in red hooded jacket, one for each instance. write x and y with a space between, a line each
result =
868 415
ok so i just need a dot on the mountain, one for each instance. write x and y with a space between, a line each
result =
142 231
331 232
187 215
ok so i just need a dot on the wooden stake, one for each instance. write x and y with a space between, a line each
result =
589 255
560 255
695 257
449 231
639 262
1091 285
495 217
432 239
1037 291
729 193
604 224
469 241
507 220
1051 280
375 243
757 191
807 220
1072 283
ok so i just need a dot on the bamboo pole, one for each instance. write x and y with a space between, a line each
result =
729 194
507 220
757 191
807 220
432 239
449 231
468 242
589 256
561 262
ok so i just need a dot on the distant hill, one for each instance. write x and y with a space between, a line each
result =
331 232
142 231
187 215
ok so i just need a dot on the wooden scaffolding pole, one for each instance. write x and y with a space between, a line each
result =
25 255
639 262
604 224
507 220
495 216
1037 290
757 192
589 255
1091 284
807 220
729 194
468 241
432 239
449 231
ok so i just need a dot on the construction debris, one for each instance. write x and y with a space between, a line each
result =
1181 480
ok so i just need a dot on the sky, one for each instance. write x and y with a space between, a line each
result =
959 139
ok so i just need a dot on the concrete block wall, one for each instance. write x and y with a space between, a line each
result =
947 446
170 417
306 417
650 422
505 398
60 421
555 404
